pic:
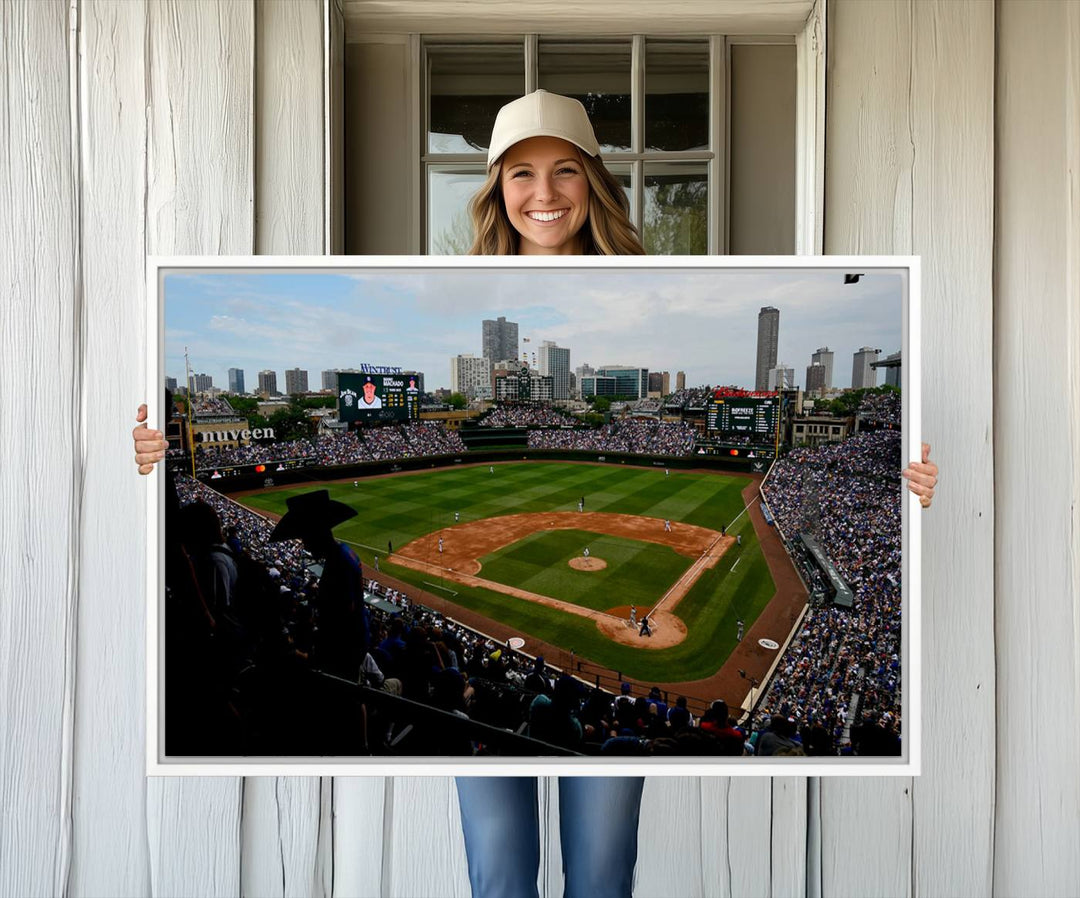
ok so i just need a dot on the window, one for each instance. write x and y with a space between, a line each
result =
659 107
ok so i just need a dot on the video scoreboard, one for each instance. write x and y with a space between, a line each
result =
743 417
371 398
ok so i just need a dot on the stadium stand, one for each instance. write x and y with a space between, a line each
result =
841 672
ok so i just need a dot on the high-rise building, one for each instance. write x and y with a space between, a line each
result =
268 383
170 383
680 380
500 339
665 384
768 336
470 375
781 378
824 357
656 383
296 381
815 377
893 377
629 381
236 380
862 375
555 363
201 382
597 385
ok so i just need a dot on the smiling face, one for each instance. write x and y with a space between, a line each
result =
546 195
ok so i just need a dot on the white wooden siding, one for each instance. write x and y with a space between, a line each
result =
184 127
909 150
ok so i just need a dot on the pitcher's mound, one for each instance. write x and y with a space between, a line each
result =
581 563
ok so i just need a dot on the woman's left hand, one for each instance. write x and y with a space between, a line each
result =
922 477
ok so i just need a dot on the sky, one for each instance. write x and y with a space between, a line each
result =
701 321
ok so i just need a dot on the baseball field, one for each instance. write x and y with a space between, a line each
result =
508 543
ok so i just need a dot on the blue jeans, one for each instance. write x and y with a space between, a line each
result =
598 821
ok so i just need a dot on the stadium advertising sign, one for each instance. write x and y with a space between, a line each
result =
232 436
369 398
629 547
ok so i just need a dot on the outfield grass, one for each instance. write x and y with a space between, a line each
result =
404 507
638 573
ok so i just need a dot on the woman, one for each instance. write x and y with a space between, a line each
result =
548 193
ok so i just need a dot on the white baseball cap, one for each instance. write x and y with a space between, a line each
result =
541 114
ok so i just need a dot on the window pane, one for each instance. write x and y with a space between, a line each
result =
597 74
676 95
676 209
623 174
466 87
449 191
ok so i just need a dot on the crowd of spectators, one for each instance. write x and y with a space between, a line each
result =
644 407
215 405
397 441
841 672
880 410
691 398
527 415
635 436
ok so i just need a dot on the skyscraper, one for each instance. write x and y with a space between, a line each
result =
236 380
815 377
862 375
500 339
201 382
680 380
471 376
555 363
781 378
824 356
170 383
768 335
268 383
665 386
296 381
629 381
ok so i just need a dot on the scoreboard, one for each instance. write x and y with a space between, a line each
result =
742 416
371 398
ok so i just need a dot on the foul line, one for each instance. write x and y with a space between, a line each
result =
437 586
736 564
741 513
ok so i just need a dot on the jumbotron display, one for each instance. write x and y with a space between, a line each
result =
743 416
369 398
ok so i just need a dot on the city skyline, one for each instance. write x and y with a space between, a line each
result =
703 322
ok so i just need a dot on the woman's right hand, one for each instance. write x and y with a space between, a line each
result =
150 445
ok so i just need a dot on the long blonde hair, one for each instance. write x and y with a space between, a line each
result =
608 230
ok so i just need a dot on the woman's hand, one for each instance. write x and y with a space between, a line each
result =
922 477
150 445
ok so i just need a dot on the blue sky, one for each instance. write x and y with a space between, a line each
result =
701 321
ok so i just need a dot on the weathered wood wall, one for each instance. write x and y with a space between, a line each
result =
953 132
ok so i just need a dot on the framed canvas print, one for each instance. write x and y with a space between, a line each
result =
503 516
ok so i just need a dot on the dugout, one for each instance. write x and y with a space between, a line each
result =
844 596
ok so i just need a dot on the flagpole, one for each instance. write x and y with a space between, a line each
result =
190 411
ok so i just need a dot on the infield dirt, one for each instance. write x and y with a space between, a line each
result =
463 545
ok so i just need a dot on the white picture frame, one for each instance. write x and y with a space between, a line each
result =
908 764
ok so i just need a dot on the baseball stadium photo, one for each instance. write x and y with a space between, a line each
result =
576 513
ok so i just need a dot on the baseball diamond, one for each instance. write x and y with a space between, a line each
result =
513 562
